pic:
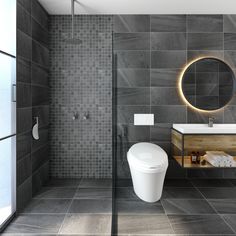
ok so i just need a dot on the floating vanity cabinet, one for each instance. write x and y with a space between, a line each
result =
185 141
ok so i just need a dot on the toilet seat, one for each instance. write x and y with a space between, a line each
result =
147 157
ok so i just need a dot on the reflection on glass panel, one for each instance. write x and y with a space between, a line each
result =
7 96
7 178
8 26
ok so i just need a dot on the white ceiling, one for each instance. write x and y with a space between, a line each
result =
56 7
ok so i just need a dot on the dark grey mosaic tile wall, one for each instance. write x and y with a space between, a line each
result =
151 50
32 99
81 81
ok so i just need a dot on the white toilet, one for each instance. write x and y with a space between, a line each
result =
148 164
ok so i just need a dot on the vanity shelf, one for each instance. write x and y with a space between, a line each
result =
184 143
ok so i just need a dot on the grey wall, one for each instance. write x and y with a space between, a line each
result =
81 81
32 99
151 51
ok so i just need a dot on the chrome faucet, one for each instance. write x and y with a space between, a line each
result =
210 122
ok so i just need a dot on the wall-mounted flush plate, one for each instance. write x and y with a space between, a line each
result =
143 119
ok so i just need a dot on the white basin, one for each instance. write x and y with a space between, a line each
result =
204 129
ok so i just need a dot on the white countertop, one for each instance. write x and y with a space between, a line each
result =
204 129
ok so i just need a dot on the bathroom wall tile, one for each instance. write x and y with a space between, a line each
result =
39 178
230 114
131 23
43 114
24 117
210 224
24 170
40 75
24 45
39 14
168 59
169 114
158 96
166 146
133 78
191 55
168 23
133 96
40 95
35 224
229 41
23 95
194 116
39 157
23 71
123 171
26 4
164 77
168 41
39 33
187 206
161 132
133 59
125 114
230 57
40 54
23 145
204 23
131 41
138 224
175 171
44 136
23 20
205 41
229 23
24 194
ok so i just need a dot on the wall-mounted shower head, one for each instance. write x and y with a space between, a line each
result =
72 39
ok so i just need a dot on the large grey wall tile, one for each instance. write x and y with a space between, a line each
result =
229 41
23 145
204 23
133 77
39 75
131 41
42 112
23 95
24 119
168 23
133 59
161 132
229 23
131 23
23 70
205 41
164 77
168 59
26 4
169 114
39 33
40 95
40 54
168 41
23 20
191 55
230 58
24 45
39 14
24 170
39 157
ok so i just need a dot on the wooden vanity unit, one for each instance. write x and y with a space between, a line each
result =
183 143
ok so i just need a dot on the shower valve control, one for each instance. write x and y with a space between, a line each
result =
86 116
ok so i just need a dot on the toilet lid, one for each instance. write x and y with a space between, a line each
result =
148 155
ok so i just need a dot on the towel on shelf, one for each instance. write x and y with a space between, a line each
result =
219 159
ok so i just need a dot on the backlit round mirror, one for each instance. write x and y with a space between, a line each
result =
208 84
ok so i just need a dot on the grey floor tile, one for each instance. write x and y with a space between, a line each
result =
63 182
211 183
199 224
231 220
91 206
233 181
96 183
124 183
93 193
184 193
51 192
35 224
219 193
130 207
86 224
224 206
143 224
48 206
126 193
187 206
177 183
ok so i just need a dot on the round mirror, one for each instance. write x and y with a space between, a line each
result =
208 84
